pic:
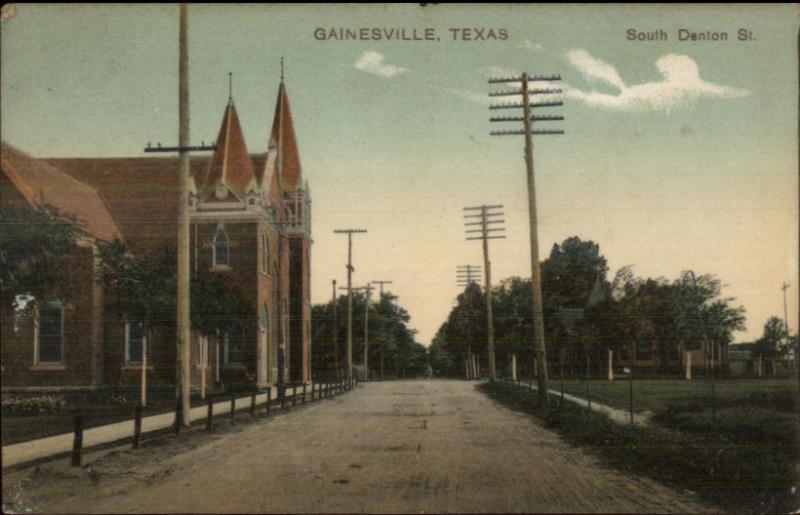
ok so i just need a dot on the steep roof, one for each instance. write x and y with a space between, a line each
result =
141 193
283 135
41 183
230 165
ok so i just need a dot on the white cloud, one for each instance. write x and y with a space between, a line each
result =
373 62
530 45
497 72
681 84
466 94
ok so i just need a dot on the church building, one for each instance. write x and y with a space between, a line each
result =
250 217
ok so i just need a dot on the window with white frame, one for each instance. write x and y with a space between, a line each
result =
221 249
234 345
49 334
134 342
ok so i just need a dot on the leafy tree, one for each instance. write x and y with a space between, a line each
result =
772 343
37 244
144 288
392 348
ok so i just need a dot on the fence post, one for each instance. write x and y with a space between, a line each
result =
137 426
304 393
294 396
233 406
210 417
252 404
269 398
77 442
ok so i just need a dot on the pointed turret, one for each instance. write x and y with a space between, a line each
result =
289 169
230 166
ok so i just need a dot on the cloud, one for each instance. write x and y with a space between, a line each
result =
680 85
497 72
373 62
466 94
530 45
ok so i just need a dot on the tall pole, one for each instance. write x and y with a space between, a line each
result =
536 278
527 131
350 269
335 334
487 267
487 216
785 313
183 220
367 292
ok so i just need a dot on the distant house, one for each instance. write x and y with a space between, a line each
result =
244 209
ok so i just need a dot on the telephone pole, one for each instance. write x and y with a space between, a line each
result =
350 269
381 283
466 274
368 292
182 375
785 312
335 334
383 344
488 229
527 131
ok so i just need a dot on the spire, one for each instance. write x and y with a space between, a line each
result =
289 168
230 165
230 86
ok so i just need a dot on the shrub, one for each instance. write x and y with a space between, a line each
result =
32 405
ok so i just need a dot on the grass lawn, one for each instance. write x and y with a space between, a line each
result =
20 428
657 394
746 459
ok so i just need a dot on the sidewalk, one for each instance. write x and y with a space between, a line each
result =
33 450
617 415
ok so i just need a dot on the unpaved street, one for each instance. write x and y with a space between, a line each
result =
409 446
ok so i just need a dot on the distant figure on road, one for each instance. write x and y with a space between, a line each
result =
429 372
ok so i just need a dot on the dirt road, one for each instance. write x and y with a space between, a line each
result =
410 446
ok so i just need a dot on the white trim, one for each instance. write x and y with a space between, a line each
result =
36 361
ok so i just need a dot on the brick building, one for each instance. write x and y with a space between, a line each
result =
250 220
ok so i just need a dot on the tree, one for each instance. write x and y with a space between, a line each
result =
772 343
391 341
37 245
143 289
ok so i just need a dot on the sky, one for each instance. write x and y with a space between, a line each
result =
676 155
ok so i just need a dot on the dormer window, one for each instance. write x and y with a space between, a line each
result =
221 250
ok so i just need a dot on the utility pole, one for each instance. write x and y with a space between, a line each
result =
466 274
350 270
488 229
335 334
183 370
383 344
527 131
785 313
381 283
368 291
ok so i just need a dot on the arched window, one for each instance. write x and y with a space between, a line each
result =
221 249
264 253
